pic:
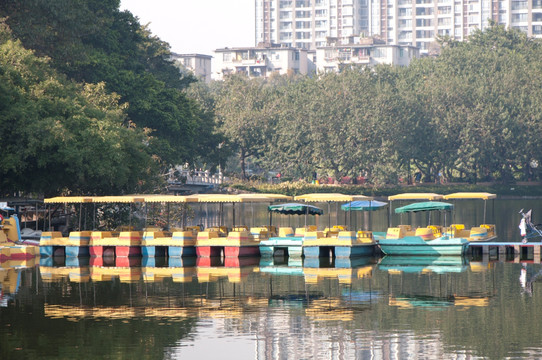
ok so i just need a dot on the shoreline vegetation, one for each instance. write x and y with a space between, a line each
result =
518 190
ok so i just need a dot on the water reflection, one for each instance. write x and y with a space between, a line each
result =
389 308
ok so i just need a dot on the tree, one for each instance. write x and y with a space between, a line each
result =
245 108
58 135
92 42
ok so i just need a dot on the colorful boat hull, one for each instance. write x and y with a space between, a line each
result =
292 245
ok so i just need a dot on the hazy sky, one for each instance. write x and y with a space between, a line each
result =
197 26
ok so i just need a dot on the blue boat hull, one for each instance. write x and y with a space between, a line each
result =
292 245
339 251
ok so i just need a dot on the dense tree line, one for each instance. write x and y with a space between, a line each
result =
92 52
471 114
91 103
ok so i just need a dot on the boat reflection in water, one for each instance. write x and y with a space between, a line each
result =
423 264
428 293
278 307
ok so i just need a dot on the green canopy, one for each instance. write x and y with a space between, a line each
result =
295 209
424 206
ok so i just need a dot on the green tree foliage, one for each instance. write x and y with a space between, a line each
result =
473 113
92 42
245 108
58 135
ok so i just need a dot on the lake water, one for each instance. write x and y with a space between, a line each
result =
365 308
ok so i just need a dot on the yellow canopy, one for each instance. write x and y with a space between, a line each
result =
273 197
169 199
118 199
155 198
470 195
230 198
415 196
68 200
331 197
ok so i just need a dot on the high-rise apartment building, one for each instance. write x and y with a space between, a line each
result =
309 23
419 22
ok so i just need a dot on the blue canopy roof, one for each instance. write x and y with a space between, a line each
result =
363 205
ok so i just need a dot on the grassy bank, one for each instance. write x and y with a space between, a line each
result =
298 188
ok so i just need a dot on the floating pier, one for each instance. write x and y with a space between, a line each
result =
169 244
519 250
76 244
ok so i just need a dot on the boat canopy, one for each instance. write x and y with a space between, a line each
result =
168 199
424 206
156 198
295 209
119 199
68 200
363 205
232 198
470 195
415 196
331 197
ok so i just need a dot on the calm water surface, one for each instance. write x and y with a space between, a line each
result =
366 308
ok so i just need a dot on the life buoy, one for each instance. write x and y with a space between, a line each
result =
1 218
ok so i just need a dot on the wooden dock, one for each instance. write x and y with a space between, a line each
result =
517 250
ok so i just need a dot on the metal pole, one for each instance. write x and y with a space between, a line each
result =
80 213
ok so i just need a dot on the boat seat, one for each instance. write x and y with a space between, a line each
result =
458 226
437 230
302 230
396 233
260 231
124 228
286 231
271 229
194 228
152 228
333 232
478 232
490 228
365 236
240 228
221 230
425 233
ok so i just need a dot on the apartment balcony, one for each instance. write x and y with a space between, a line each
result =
355 60
251 62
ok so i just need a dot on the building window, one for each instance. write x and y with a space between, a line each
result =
520 17
405 23
519 5
425 34
226 57
424 22
424 11
379 53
